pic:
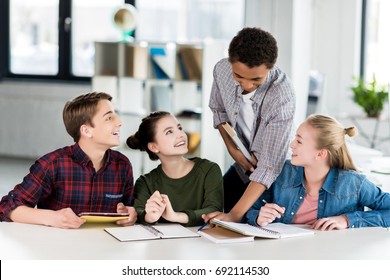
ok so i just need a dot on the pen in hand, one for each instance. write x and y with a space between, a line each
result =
265 202
203 226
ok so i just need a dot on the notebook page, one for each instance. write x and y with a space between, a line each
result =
131 233
174 231
288 230
274 230
247 229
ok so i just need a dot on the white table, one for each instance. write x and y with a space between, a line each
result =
372 163
90 242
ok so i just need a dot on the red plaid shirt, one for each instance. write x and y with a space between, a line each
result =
66 178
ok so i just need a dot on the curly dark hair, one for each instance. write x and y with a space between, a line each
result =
253 47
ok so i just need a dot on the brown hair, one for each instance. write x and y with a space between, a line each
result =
81 110
331 136
146 133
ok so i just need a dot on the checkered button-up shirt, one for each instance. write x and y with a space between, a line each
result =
66 178
273 107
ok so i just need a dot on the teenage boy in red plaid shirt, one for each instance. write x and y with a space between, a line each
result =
85 177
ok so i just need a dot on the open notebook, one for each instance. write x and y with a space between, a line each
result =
274 230
148 232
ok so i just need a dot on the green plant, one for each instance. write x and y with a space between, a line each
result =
370 97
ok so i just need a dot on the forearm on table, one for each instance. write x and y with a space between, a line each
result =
177 217
28 215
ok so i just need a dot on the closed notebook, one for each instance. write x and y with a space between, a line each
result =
274 230
100 217
222 235
148 232
237 141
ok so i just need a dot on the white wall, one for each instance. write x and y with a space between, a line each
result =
31 117
335 51
290 22
314 34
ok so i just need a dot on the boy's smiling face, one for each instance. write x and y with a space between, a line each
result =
249 78
106 125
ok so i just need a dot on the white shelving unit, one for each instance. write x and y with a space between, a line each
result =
144 77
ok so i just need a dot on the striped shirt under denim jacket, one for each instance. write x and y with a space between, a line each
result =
274 108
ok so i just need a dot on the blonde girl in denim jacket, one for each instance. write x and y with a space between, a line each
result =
320 185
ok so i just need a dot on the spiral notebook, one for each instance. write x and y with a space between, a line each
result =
223 235
274 230
149 232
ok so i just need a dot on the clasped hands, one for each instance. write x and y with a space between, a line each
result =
158 205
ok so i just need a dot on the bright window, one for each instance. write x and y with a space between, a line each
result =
54 39
189 20
34 37
92 20
377 54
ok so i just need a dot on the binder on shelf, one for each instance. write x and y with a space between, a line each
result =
181 71
190 62
163 63
136 61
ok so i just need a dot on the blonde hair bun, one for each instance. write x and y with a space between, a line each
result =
351 131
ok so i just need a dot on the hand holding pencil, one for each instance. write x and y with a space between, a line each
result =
268 213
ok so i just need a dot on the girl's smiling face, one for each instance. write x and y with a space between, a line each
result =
304 146
170 139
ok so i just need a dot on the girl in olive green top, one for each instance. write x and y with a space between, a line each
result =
179 190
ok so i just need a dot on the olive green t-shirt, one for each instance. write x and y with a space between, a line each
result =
199 192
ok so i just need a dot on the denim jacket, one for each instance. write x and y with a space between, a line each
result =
343 192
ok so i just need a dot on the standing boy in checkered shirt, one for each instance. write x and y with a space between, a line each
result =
257 99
